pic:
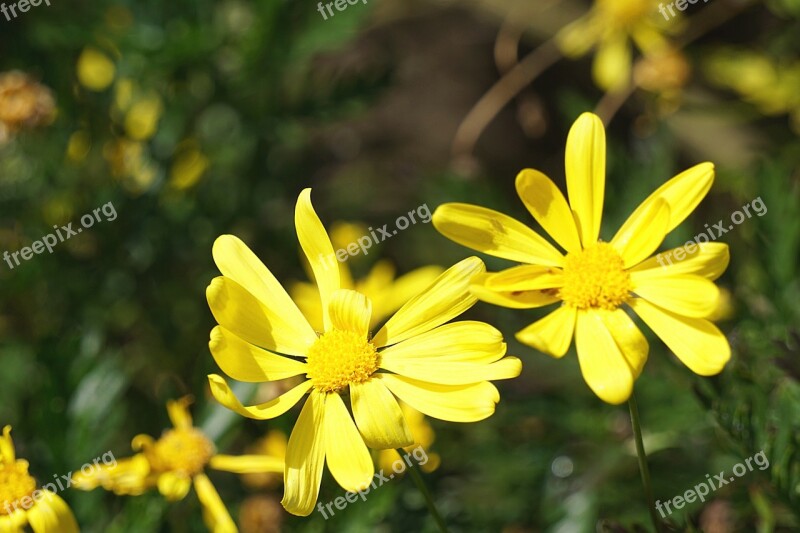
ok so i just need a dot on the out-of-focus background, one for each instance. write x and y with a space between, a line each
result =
199 118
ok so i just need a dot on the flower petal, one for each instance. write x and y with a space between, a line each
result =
348 457
525 278
612 62
51 514
695 341
585 162
446 298
243 314
629 338
511 299
7 453
128 476
687 295
603 365
174 486
494 233
215 514
350 311
458 373
378 416
642 233
548 206
707 259
178 411
683 193
224 395
402 290
247 464
551 334
466 341
245 362
237 262
456 403
305 458
317 246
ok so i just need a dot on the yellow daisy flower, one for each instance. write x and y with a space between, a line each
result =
173 463
596 278
442 370
21 503
610 26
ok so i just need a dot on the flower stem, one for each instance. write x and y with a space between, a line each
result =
648 488
418 481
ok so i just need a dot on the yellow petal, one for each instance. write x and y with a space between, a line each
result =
603 366
305 458
494 233
456 403
174 486
446 298
378 416
51 514
687 295
224 395
245 362
458 373
17 520
348 457
642 233
215 514
697 342
585 162
237 262
247 464
683 193
628 336
127 476
466 341
240 312
350 311
178 411
318 249
525 278
709 259
511 299
404 288
578 37
7 453
551 334
612 63
549 207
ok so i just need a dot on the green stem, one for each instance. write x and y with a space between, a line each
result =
648 488
418 481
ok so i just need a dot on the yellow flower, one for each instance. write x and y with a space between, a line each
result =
21 503
173 463
423 435
610 26
672 293
442 370
95 69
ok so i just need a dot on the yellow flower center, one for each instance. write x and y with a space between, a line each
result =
182 450
340 358
595 278
15 484
624 12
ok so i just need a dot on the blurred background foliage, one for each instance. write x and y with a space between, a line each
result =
198 118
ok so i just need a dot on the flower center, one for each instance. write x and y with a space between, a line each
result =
340 358
624 12
15 484
595 277
182 450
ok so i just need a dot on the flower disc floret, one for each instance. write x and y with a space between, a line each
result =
182 450
340 358
15 482
595 278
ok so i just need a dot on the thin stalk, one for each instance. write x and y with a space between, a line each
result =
648 488
418 481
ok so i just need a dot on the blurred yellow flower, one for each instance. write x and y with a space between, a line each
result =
23 104
95 69
189 166
21 503
273 444
610 26
443 370
130 164
423 435
141 120
596 278
174 463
